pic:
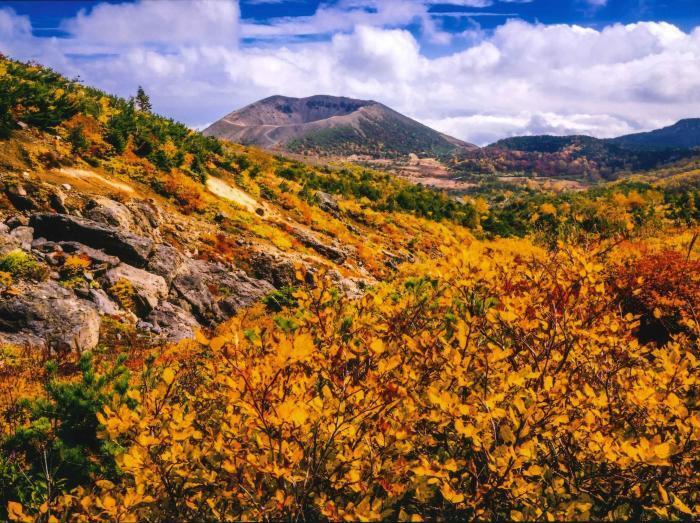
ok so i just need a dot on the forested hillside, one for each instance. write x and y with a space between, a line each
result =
262 339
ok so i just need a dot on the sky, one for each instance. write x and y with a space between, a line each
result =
479 70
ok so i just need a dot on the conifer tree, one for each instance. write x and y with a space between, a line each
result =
143 101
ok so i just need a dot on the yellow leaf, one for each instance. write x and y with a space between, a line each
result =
15 511
657 313
303 346
450 495
168 376
678 504
664 450
663 494
377 346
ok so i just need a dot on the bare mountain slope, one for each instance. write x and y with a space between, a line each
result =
329 125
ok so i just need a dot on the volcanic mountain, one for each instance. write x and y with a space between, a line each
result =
335 126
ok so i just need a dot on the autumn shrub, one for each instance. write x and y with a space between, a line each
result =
663 288
56 446
75 265
498 382
22 265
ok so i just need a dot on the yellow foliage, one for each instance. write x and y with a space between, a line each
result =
478 384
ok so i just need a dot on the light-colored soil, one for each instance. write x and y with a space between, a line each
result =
223 190
86 180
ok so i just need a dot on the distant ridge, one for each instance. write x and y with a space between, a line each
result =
331 125
683 134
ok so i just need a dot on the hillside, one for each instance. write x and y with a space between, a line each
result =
683 134
328 125
582 158
197 330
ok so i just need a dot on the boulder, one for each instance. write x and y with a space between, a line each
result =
23 236
173 322
20 199
109 212
16 221
104 303
131 248
165 262
7 242
330 250
50 317
276 268
327 202
213 292
149 288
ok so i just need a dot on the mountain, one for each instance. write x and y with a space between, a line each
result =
581 157
683 134
329 125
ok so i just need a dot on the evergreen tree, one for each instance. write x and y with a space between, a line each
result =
143 101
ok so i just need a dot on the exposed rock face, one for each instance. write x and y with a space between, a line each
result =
131 248
215 293
51 317
173 322
150 288
24 236
276 268
174 295
331 251
165 262
103 302
110 212
327 202
96 256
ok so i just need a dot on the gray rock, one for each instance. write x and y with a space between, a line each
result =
174 323
16 221
44 246
327 202
330 250
24 236
150 288
129 247
110 212
276 268
165 262
214 292
51 317
96 256
8 243
58 201
104 303
20 199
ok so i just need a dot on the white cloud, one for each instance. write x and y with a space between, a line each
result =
520 79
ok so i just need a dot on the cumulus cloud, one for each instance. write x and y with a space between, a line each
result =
521 78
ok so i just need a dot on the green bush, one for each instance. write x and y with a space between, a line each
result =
22 266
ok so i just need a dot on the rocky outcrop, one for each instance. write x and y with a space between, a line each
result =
330 250
274 267
103 243
149 289
130 248
172 322
214 292
49 316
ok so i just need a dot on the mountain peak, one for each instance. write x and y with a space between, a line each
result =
331 125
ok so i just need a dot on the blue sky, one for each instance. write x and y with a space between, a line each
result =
478 69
